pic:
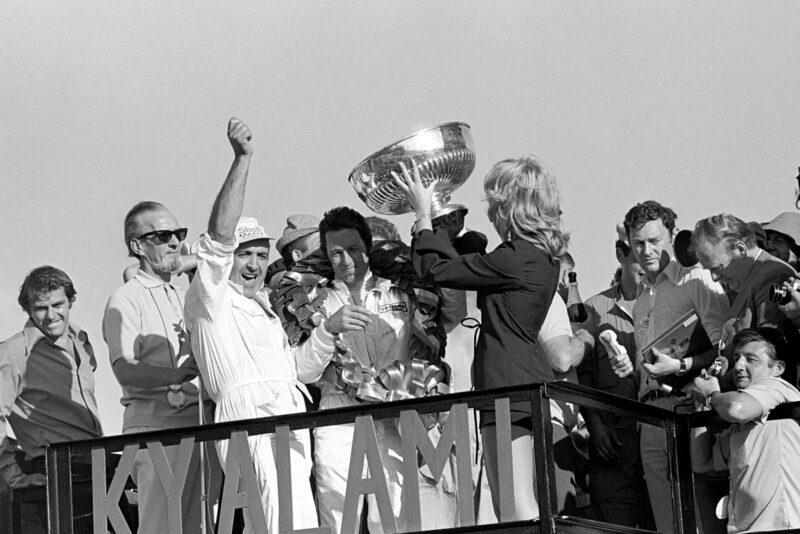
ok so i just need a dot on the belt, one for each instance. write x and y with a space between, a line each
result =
654 394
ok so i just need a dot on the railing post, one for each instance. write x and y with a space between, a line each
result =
542 436
59 489
680 465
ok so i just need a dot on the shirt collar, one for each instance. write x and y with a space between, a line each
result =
672 272
148 280
373 283
619 300
33 335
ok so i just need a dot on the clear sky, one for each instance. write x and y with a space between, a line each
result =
106 103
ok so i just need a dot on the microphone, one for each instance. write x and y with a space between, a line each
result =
617 354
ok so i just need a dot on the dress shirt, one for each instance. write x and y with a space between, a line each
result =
762 457
659 304
47 389
608 310
143 322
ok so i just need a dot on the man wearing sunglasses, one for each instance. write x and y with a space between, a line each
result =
150 356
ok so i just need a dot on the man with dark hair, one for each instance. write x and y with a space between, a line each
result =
667 293
616 481
150 356
726 246
761 454
371 319
46 380
344 218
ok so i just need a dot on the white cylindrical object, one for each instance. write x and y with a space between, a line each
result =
617 354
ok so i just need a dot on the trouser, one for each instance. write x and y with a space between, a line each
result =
524 468
262 450
332 461
152 499
81 471
618 490
655 464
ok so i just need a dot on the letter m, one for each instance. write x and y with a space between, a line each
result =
415 438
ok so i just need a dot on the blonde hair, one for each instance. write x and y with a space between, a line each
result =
524 203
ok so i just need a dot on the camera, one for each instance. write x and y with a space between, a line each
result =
780 295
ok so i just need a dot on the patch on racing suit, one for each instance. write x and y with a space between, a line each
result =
393 307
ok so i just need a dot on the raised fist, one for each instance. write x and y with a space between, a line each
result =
240 137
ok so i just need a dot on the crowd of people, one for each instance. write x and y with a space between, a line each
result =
348 305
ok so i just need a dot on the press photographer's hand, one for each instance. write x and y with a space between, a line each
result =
792 308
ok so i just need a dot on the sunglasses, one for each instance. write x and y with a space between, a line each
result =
165 236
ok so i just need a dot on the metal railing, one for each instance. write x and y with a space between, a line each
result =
676 428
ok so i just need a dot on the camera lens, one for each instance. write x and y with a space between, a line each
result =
779 295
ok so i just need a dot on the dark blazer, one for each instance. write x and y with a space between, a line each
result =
515 285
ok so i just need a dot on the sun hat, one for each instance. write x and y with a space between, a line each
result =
297 226
787 223
248 229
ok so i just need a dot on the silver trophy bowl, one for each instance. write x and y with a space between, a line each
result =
445 155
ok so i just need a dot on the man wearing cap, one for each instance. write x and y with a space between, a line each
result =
149 351
616 481
300 238
726 246
247 365
783 237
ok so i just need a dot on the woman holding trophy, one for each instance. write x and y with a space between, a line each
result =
515 284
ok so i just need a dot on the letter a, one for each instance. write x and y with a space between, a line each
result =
239 464
365 443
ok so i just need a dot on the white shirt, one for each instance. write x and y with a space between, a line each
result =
556 323
762 457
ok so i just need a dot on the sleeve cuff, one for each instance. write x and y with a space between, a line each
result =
215 248
324 338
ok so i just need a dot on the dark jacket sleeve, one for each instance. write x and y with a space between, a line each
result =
437 262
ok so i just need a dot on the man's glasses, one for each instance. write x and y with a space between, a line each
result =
165 236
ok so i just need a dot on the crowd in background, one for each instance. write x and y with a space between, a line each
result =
350 303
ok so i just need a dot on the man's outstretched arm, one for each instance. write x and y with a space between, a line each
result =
230 199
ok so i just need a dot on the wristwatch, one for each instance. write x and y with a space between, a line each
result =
708 399
683 369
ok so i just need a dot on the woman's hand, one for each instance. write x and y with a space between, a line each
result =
419 196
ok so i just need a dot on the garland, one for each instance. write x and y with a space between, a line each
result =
426 373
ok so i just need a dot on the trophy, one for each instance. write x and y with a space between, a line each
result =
445 154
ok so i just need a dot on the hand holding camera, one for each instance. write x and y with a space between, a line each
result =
787 296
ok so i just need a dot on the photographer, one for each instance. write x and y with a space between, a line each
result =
783 235
726 246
